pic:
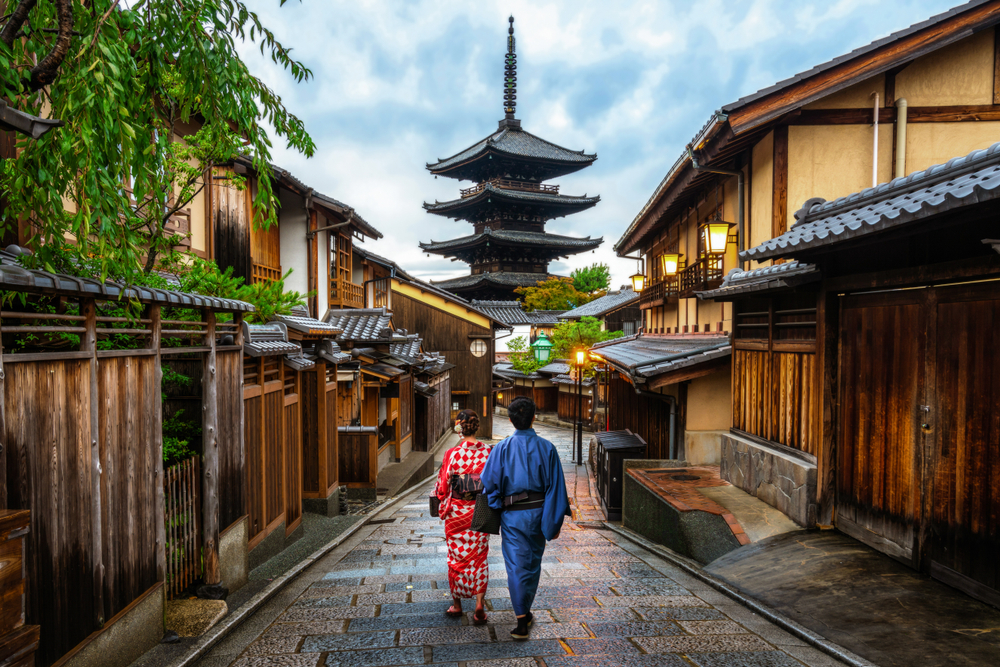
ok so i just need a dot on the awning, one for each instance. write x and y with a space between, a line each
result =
654 361
267 340
766 279
383 371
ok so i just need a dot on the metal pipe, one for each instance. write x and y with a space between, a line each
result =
901 137
875 146
350 219
740 195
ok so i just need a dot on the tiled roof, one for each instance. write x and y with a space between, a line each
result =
960 182
569 379
407 349
643 356
382 370
299 361
605 304
557 367
508 312
507 279
330 351
424 389
360 324
520 196
267 340
351 214
506 370
16 278
776 277
518 143
510 236
299 320
545 316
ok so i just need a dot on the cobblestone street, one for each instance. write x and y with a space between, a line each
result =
602 601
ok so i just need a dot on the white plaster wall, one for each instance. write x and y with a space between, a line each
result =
322 285
292 227
501 343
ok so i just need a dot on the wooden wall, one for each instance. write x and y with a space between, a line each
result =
432 416
232 474
568 405
649 418
293 449
448 334
319 401
230 225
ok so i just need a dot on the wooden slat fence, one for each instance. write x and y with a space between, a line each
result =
182 484
567 407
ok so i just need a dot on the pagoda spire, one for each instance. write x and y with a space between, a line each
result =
510 75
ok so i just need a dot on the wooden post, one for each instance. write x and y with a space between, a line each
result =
88 343
827 371
210 469
161 503
238 340
3 436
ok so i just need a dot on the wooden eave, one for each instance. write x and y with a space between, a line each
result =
807 89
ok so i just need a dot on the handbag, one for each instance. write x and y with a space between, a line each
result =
435 504
485 519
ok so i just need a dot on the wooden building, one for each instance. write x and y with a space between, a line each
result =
889 385
98 558
927 92
617 310
509 204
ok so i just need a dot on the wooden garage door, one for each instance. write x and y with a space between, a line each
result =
963 544
918 464
882 350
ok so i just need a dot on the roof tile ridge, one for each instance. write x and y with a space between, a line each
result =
546 141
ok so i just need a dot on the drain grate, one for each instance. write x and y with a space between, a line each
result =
378 521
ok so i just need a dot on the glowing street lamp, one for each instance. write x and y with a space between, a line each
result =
542 348
717 236
581 358
670 263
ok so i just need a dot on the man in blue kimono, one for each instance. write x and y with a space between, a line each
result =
524 478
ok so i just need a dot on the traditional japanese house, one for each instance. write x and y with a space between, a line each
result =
891 108
451 326
895 294
617 310
317 389
509 204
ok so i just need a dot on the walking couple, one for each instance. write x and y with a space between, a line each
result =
521 476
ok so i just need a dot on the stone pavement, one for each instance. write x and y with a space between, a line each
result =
603 601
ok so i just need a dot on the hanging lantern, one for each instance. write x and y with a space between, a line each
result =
716 236
638 278
670 263
542 348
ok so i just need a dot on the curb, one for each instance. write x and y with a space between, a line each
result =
219 632
695 570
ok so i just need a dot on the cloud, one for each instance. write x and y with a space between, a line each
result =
401 84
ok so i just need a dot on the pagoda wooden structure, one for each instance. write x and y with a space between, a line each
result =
509 204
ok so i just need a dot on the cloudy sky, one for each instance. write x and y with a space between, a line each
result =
399 84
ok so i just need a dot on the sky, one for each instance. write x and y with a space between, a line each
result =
399 84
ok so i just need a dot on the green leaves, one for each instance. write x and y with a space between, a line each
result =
593 280
570 336
152 96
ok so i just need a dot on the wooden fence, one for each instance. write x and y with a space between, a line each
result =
183 504
82 449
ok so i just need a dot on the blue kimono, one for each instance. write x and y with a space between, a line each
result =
526 462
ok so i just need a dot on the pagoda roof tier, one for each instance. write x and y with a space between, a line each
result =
514 153
559 246
491 197
505 280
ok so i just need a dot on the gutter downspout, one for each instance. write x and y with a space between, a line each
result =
901 137
875 145
740 195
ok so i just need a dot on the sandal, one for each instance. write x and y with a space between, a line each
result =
521 631
455 611
479 620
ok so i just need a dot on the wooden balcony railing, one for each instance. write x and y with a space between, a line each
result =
704 274
659 293
261 273
511 185
345 294
380 292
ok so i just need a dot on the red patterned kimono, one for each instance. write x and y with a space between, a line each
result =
468 571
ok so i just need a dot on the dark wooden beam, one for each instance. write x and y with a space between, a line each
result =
691 373
843 75
779 183
863 116
996 65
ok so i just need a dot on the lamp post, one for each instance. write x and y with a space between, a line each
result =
581 359
542 348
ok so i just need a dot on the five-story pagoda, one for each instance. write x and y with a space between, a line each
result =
509 205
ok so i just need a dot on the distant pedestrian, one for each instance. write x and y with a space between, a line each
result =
457 487
525 478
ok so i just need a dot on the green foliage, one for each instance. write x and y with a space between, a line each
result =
552 294
268 298
128 82
522 358
177 431
570 336
593 280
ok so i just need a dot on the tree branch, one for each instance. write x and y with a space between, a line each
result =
100 23
45 71
17 19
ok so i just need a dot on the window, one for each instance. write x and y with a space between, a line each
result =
478 348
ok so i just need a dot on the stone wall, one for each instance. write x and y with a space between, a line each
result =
781 479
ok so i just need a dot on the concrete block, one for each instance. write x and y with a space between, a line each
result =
780 479
126 637
329 506
703 447
233 557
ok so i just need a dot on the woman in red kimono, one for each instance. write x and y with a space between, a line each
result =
457 487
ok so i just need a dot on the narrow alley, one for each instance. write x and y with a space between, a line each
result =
379 600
